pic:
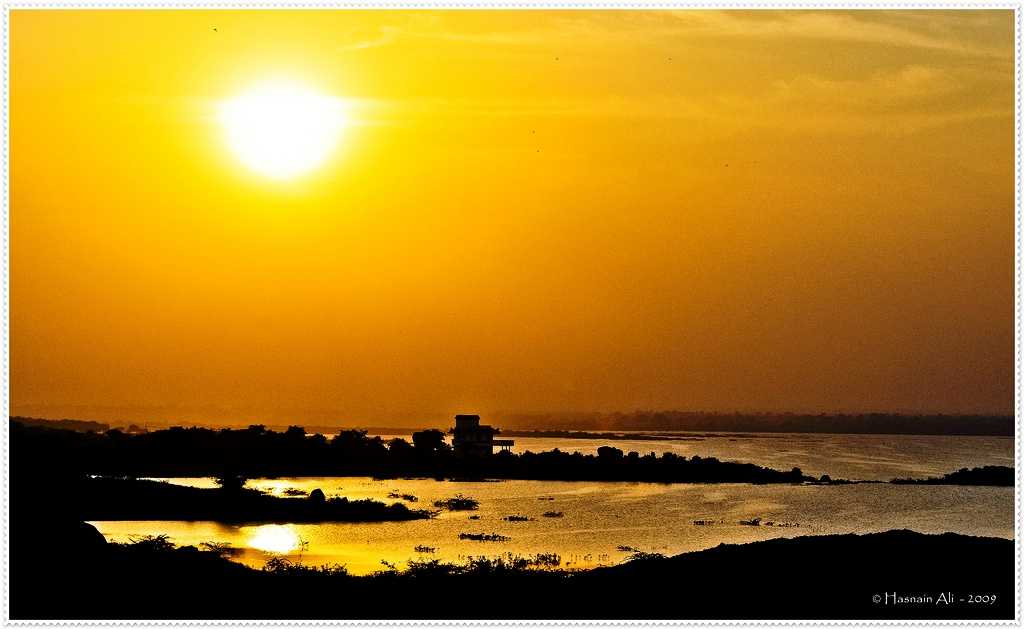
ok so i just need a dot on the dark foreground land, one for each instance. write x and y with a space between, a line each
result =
72 573
61 567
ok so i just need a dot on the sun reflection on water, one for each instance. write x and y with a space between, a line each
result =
274 538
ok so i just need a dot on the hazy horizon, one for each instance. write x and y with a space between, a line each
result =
514 420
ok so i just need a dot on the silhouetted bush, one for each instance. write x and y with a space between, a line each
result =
231 482
484 537
458 503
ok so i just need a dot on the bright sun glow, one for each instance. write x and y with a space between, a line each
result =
282 129
274 538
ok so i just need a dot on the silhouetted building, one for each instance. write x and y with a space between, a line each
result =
470 439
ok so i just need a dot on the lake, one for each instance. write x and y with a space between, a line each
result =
602 523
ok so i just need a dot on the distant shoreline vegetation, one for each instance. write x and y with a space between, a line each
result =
258 452
77 425
990 475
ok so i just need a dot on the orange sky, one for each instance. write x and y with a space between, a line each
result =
529 211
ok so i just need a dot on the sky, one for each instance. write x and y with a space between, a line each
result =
527 211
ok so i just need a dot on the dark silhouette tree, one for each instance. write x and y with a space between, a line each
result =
428 441
231 483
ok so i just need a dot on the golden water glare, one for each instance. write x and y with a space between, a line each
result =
274 538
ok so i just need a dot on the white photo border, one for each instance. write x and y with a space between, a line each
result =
8 7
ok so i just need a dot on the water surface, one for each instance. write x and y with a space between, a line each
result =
598 518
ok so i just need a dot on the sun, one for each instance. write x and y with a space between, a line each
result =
282 129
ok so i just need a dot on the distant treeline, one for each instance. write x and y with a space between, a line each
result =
258 452
583 434
990 475
77 425
571 424
868 423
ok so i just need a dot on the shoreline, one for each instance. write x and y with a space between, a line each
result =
113 499
257 452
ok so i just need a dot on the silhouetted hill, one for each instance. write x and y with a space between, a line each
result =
830 577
